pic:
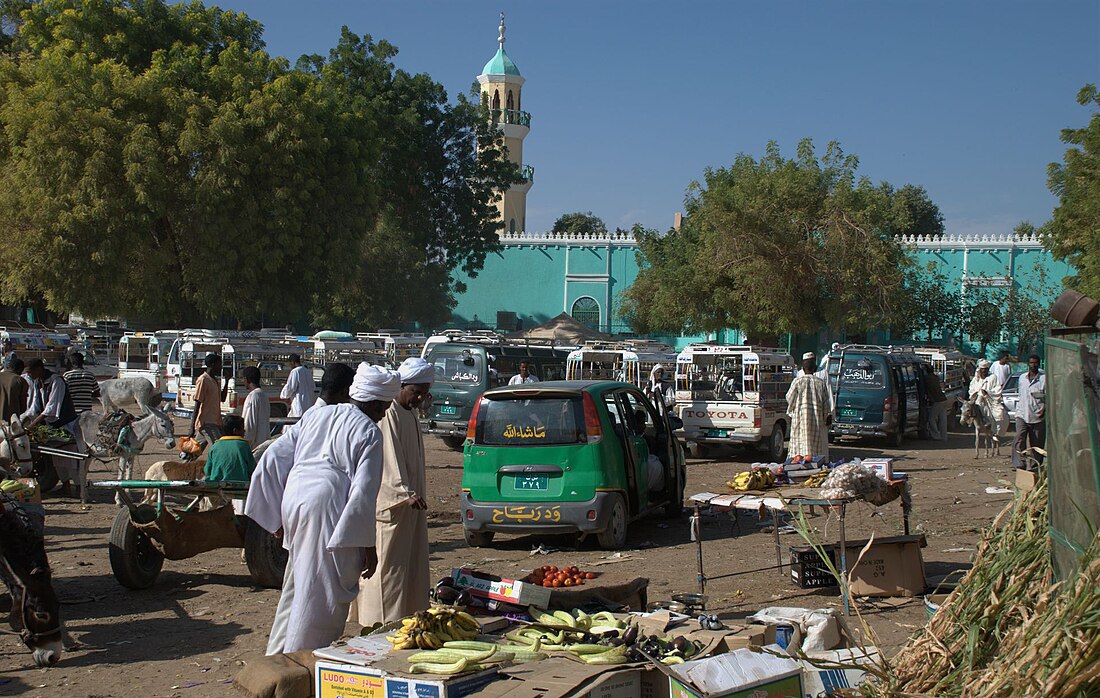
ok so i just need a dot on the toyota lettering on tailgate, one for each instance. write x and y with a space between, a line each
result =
693 413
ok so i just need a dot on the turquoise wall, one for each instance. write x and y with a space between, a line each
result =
540 276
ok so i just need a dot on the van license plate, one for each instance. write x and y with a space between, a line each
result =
849 413
448 409
532 482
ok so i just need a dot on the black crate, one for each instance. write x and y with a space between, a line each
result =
808 571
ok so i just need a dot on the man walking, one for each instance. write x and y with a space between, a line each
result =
83 387
1002 370
328 509
13 391
400 587
524 375
209 395
1030 410
299 387
256 411
937 404
808 404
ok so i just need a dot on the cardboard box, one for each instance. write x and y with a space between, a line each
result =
883 467
334 680
560 676
738 674
1026 480
490 586
338 680
822 676
892 567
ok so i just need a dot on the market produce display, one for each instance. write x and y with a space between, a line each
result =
43 433
551 576
16 488
445 592
430 629
755 479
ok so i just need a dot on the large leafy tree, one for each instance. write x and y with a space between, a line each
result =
1074 232
775 245
578 223
156 161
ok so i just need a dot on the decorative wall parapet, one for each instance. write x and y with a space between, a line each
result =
625 239
975 240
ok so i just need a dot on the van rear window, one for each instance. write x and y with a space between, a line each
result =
551 421
863 372
457 367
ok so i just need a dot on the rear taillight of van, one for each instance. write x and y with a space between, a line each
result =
888 404
757 421
592 428
471 426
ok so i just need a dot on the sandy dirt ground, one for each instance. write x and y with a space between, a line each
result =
189 634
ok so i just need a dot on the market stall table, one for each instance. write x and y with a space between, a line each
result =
788 500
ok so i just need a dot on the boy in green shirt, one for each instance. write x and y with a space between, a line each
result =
230 458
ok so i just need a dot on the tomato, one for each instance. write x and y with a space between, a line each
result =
546 568
556 583
589 575
569 582
580 581
552 568
573 570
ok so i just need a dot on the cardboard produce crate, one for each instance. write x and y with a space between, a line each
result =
892 567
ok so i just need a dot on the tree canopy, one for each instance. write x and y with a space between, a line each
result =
577 223
778 245
1074 232
156 161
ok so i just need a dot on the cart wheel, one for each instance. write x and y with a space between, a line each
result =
614 536
265 556
454 443
45 473
134 560
477 539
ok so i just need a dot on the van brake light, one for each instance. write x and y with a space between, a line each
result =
471 426
888 404
592 428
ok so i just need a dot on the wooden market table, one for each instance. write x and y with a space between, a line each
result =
788 499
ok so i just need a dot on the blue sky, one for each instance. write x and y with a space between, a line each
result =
631 101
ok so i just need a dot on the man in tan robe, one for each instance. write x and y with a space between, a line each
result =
401 585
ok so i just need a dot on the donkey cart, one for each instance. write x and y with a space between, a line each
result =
146 532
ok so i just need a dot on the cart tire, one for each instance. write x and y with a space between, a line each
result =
614 536
454 443
134 561
777 443
45 474
265 556
477 539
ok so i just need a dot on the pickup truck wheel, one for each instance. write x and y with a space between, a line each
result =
477 539
777 443
614 536
700 451
454 442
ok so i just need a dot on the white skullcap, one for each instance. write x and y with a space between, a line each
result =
374 383
653 371
808 356
984 363
416 370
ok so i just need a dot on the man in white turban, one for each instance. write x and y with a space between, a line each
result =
809 406
400 587
985 391
328 509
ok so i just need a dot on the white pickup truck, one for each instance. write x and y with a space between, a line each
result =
733 394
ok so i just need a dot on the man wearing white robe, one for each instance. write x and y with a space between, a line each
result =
328 509
256 410
809 407
299 387
985 391
400 586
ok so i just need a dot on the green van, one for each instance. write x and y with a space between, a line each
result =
877 391
583 457
464 370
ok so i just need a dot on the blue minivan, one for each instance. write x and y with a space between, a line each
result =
878 391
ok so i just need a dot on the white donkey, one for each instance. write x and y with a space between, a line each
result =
113 393
15 449
155 424
973 413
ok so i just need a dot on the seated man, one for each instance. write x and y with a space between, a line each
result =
230 458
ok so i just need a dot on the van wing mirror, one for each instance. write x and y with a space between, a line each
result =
675 422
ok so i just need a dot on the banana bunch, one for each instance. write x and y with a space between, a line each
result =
755 479
816 479
16 488
431 629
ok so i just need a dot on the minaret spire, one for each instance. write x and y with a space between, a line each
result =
500 39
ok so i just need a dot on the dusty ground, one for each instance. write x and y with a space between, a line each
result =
188 635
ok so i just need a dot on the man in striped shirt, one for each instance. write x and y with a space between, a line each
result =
83 387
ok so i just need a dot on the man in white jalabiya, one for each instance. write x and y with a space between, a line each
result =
809 406
327 512
299 387
985 391
400 586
